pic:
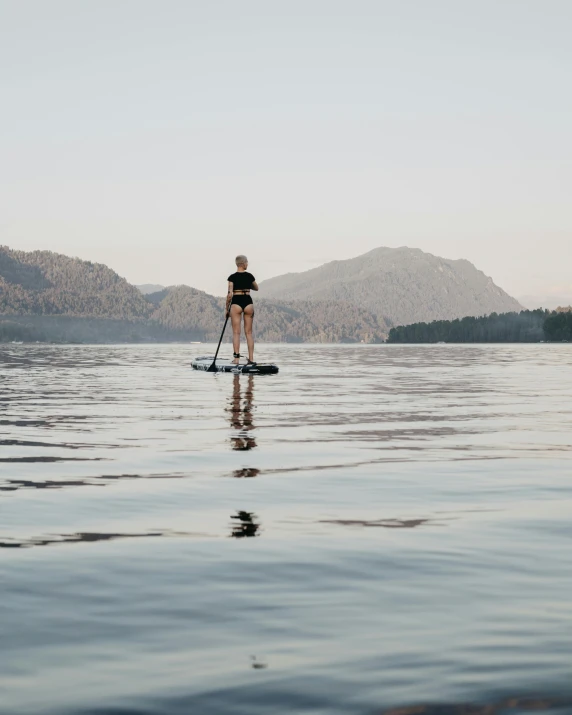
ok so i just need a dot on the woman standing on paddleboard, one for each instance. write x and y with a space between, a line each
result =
239 304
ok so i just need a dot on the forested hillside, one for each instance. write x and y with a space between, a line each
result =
185 309
181 308
46 283
528 326
48 297
317 322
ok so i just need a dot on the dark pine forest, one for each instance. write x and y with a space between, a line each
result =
528 326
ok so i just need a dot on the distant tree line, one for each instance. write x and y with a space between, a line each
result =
558 325
528 326
67 329
180 318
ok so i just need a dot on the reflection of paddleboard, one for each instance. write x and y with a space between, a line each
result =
222 365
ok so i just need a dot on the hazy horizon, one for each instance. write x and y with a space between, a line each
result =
164 138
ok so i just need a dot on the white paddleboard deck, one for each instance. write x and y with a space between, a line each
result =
223 365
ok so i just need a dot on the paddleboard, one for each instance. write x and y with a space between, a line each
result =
223 365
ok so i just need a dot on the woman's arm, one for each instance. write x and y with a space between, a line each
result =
229 295
254 285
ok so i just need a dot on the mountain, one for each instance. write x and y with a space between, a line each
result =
46 283
147 288
46 296
401 285
184 309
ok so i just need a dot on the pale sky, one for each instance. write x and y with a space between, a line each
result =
164 137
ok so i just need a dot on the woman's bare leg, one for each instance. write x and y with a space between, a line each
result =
248 318
235 317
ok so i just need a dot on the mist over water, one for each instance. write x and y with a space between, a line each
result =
376 529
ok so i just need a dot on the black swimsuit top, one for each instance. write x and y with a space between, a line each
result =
241 280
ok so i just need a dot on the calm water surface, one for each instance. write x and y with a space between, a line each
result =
377 529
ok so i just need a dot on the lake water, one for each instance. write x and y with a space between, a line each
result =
374 530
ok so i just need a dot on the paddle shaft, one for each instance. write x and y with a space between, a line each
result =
212 368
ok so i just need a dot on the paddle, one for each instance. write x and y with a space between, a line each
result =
212 368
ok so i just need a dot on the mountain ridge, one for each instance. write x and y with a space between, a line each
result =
402 285
48 296
46 293
48 283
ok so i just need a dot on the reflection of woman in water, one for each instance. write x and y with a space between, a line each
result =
239 303
241 414
245 524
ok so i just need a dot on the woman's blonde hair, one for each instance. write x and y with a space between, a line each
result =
241 260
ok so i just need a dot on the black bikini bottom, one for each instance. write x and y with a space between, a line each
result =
242 300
